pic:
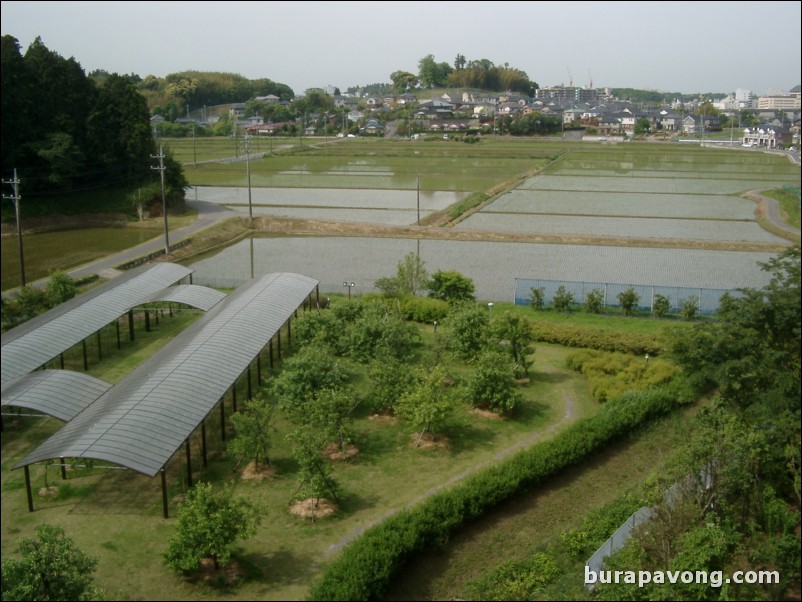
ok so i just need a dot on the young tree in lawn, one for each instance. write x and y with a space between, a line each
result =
314 469
428 406
594 301
492 384
661 306
537 297
513 334
50 567
451 286
563 299
314 368
390 379
209 525
331 413
252 427
467 326
628 300
690 307
411 276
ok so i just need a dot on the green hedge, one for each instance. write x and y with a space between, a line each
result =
368 564
594 338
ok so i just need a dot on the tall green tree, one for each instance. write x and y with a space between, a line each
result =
432 74
450 286
49 567
252 426
428 405
209 525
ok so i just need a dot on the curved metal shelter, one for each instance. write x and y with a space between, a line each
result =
194 295
144 419
62 394
37 341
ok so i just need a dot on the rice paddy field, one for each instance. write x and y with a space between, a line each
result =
676 193
659 195
493 266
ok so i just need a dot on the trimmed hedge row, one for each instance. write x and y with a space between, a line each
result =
594 338
368 564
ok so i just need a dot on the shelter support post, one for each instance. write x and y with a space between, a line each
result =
86 359
289 331
234 398
130 324
63 469
259 370
99 349
147 321
250 390
203 444
28 488
271 354
278 343
61 360
164 494
189 463
117 325
223 419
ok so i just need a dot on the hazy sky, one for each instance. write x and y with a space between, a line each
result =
669 46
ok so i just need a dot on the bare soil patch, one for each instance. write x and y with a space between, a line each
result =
254 472
334 453
429 441
383 419
314 509
51 491
228 574
488 414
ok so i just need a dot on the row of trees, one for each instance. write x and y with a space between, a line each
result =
63 131
480 74
628 300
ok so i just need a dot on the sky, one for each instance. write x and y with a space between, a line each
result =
682 47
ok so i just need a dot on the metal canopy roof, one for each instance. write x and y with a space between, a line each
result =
201 297
144 419
42 338
58 393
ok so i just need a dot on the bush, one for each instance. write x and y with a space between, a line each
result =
563 299
594 301
537 298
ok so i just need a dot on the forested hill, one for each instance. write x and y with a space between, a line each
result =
175 94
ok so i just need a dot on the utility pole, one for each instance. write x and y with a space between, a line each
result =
161 169
17 198
248 171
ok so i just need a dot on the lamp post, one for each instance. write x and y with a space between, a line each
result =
490 307
349 286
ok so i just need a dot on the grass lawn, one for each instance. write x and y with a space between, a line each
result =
789 204
116 514
531 521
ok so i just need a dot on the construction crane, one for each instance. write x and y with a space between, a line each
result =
590 77
570 79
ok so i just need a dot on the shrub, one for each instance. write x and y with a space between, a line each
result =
563 299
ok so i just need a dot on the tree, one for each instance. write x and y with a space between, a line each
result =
563 299
642 126
661 306
628 300
252 427
513 334
450 286
537 297
50 567
390 379
209 525
432 74
492 384
60 288
467 325
314 469
690 307
411 276
594 301
428 405
403 81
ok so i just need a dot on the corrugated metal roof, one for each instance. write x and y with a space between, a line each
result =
58 393
42 338
144 419
201 297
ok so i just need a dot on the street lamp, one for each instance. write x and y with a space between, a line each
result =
349 285
490 307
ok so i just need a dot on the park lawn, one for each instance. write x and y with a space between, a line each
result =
534 520
116 514
789 204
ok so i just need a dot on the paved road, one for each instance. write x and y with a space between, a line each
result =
208 215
